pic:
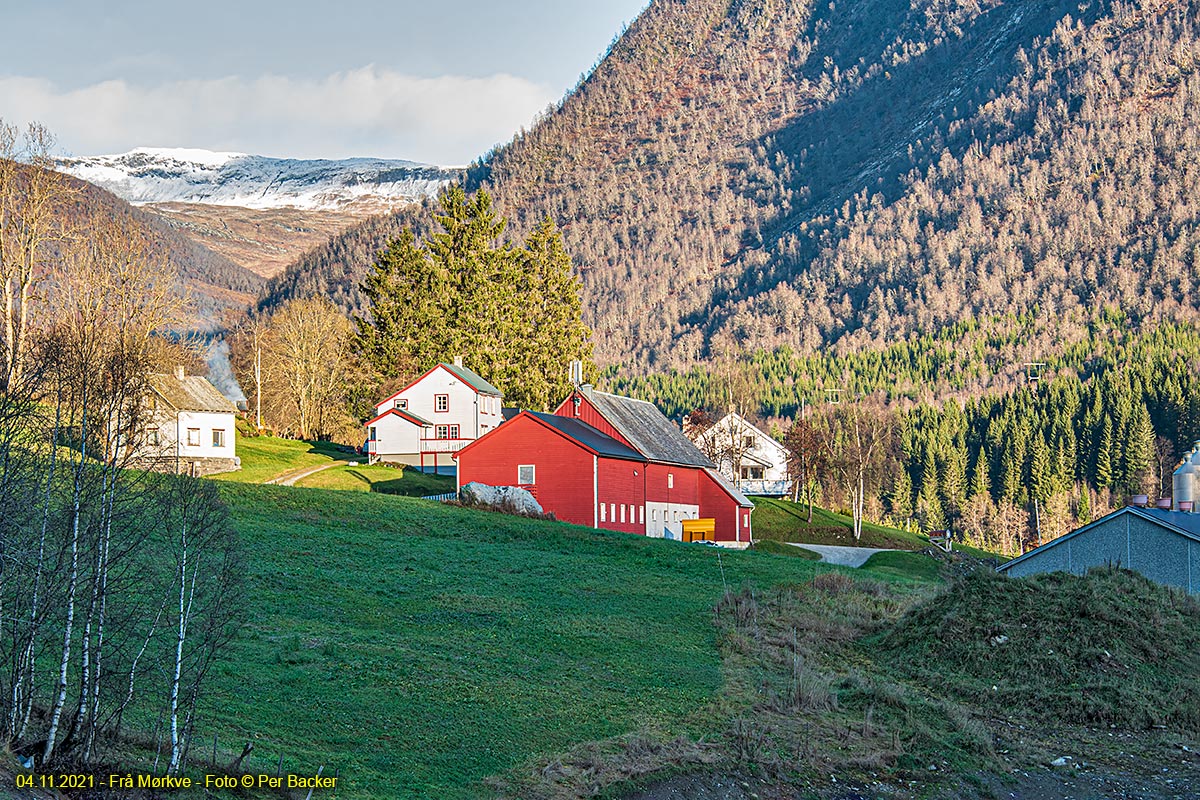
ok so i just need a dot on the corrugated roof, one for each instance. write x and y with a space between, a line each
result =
472 379
588 436
190 393
647 429
1183 523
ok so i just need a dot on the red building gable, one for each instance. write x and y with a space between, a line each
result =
609 462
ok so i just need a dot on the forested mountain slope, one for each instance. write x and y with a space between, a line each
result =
759 173
210 284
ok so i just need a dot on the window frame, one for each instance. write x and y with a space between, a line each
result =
441 399
441 431
218 433
402 403
532 474
193 437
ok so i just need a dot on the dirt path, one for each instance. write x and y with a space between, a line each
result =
843 556
289 478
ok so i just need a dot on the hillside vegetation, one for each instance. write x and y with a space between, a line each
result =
765 173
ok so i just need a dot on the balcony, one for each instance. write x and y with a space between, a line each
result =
765 488
444 445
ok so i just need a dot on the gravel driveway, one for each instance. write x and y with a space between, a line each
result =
843 556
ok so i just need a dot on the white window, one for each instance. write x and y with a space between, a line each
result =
748 442
453 431
612 511
402 404
670 480
372 433
622 513
152 436
654 515
441 431
218 437
603 513
526 475
641 515
193 437
441 402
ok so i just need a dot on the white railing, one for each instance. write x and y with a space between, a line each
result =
765 488
444 445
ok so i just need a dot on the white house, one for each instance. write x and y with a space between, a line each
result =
431 418
754 461
189 426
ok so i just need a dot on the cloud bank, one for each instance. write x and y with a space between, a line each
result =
448 120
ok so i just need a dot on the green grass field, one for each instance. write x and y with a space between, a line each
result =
378 478
418 648
785 521
267 457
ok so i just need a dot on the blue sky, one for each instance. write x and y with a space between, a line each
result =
422 81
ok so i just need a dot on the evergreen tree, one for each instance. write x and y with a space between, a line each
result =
512 313
1104 471
1139 451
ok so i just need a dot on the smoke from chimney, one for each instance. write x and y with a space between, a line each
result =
220 371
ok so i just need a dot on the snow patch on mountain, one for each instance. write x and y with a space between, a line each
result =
176 175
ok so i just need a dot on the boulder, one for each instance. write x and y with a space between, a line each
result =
509 499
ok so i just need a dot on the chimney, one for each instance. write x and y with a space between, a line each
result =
575 373
179 371
458 361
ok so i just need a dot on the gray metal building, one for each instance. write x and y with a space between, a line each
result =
1162 545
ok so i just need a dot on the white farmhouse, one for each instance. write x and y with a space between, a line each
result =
436 415
189 426
754 461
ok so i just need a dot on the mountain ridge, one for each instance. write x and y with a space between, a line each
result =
180 175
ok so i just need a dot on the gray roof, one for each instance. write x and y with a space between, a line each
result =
647 429
472 379
588 436
190 393
1183 523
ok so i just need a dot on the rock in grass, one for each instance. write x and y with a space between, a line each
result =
509 499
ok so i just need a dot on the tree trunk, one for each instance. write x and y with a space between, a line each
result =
60 699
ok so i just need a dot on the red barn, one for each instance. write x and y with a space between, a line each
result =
609 462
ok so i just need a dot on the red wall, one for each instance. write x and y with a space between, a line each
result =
623 483
686 488
562 474
715 502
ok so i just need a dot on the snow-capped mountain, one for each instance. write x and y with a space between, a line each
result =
157 175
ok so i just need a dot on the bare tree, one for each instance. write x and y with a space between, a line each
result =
32 198
306 363
808 455
861 437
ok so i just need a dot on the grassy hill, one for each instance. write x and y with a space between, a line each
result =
782 520
266 458
418 648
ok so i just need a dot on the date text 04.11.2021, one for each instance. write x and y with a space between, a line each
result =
112 781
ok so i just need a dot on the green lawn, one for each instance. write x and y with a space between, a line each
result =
785 521
417 648
378 478
267 457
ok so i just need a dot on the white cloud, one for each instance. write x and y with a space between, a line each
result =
447 120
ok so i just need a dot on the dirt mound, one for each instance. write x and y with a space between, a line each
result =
1109 648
